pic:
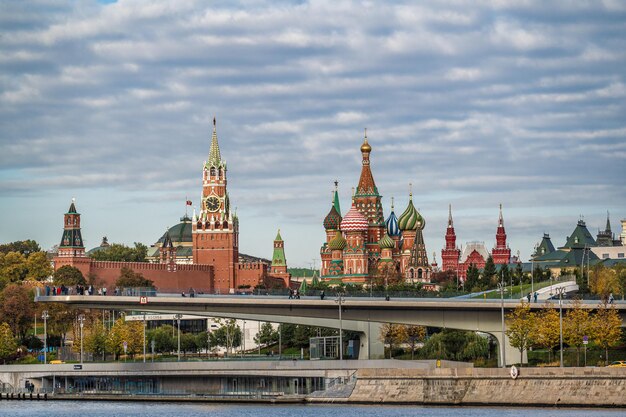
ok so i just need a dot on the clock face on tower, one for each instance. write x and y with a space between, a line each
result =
212 204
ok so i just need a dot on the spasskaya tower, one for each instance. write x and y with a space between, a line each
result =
215 231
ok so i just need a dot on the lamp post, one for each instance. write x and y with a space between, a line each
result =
45 316
81 320
502 351
339 300
559 292
144 337
178 317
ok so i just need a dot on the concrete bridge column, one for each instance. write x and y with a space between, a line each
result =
371 346
512 354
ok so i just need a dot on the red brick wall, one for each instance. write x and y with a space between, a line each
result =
251 274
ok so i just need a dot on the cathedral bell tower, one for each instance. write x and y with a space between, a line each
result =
215 231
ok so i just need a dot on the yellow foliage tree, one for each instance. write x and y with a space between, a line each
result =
392 334
520 323
606 328
546 331
576 325
604 281
415 334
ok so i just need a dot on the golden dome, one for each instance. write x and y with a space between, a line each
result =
366 146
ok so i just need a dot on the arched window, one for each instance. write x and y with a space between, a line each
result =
212 171
419 274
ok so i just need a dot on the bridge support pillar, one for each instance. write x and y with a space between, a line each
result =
512 354
371 346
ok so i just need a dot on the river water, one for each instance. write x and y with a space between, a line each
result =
126 408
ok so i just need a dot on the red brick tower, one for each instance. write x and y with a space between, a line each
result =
501 253
168 253
72 249
451 253
215 231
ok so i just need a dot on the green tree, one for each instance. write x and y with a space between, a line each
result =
164 339
488 278
69 276
122 253
267 335
520 324
131 279
25 247
228 335
38 266
17 308
188 343
473 277
505 274
95 338
8 344
455 345
61 320
519 274
606 328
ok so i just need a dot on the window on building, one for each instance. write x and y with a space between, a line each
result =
605 256
620 255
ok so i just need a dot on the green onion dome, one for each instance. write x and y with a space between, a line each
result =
332 219
386 242
408 219
337 243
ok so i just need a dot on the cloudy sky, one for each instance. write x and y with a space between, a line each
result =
474 103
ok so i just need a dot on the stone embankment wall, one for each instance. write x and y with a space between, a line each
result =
604 387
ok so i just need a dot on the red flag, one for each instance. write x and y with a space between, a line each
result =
188 202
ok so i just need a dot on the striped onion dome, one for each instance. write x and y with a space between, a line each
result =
332 219
386 242
337 243
354 221
392 225
411 219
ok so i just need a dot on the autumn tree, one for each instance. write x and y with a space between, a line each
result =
95 338
604 281
414 335
8 344
38 266
546 332
61 320
576 325
13 267
606 328
393 334
520 323
17 308
69 276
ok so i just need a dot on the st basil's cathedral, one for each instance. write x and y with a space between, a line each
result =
362 244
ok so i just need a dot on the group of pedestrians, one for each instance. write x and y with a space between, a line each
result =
535 296
77 290
294 294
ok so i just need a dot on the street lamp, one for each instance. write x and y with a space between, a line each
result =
45 316
502 351
560 291
339 300
81 320
178 317
144 337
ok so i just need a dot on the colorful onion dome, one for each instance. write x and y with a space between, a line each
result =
411 219
332 219
392 225
386 242
337 243
354 221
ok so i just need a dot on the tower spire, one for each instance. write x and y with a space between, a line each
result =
450 223
500 219
608 223
336 198
215 158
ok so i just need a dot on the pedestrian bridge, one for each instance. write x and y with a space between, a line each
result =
363 315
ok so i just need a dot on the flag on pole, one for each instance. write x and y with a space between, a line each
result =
188 202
